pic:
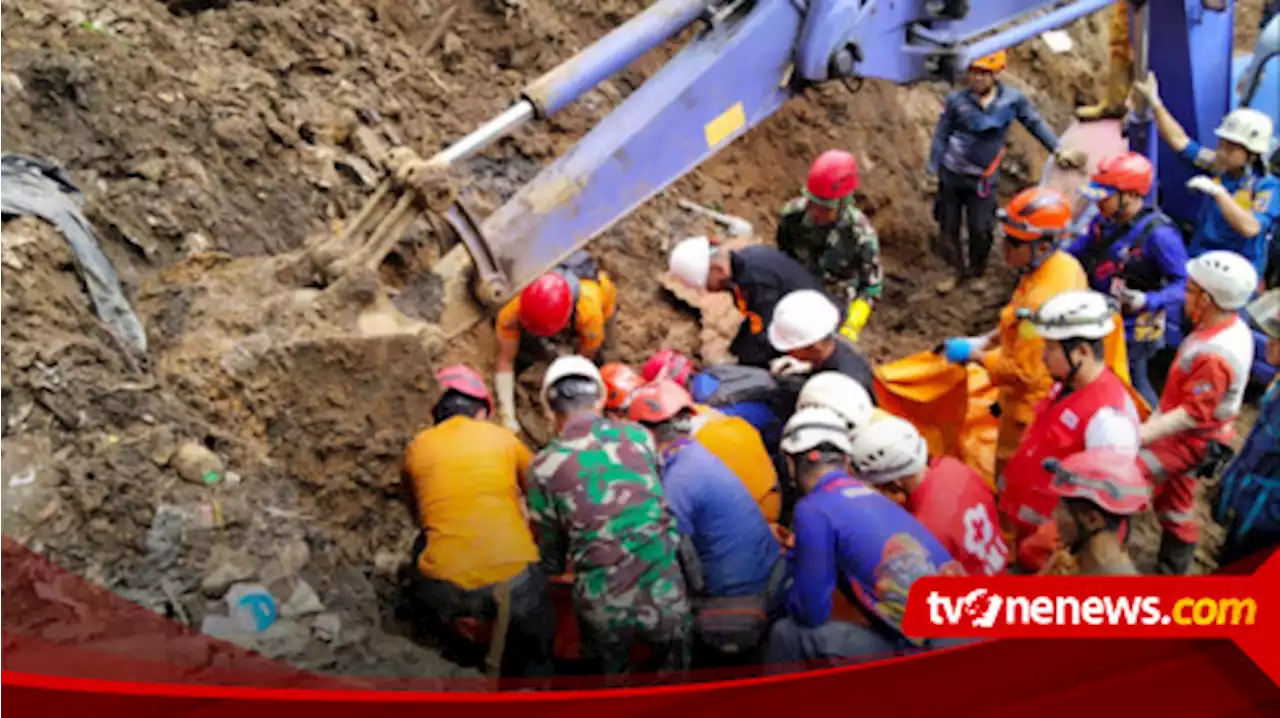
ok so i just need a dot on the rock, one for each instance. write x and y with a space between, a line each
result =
452 46
290 558
388 563
195 243
357 170
327 626
228 567
302 602
197 464
161 446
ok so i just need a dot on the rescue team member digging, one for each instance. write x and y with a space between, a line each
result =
758 276
476 558
597 508
849 536
1243 201
1201 399
575 295
946 496
828 234
1035 220
1249 502
1098 492
1089 407
729 555
1135 253
964 161
805 327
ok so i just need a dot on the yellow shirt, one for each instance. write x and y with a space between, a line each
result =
597 301
1016 364
466 478
736 442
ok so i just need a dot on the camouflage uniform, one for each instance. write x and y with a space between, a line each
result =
846 255
595 498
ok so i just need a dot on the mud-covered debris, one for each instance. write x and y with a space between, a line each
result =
327 627
284 639
195 463
357 170
224 628
388 563
290 557
164 538
227 567
302 602
161 445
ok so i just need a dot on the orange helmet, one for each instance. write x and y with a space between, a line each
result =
1036 214
1125 172
620 382
658 402
995 62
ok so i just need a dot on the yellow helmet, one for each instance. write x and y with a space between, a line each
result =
994 62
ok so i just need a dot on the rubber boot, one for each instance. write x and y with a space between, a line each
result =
1174 558
1119 70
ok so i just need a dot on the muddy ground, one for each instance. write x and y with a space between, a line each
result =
212 139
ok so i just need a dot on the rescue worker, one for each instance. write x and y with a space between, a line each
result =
1119 69
1034 221
841 394
828 234
964 161
730 558
848 536
668 363
1088 408
596 506
475 556
1244 202
1098 492
1249 499
1201 399
1135 253
805 327
758 276
620 382
576 295
946 496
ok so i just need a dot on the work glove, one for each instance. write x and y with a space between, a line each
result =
1070 159
1146 89
930 184
855 319
1132 299
1205 185
789 366
959 350
505 383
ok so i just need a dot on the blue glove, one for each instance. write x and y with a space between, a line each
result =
958 350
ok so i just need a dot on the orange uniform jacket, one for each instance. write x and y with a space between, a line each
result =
597 302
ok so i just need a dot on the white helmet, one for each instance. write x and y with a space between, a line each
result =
812 427
841 394
801 318
1227 277
1249 128
690 261
887 450
571 365
1078 314
1265 310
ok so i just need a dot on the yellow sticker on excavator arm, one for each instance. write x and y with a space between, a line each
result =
724 126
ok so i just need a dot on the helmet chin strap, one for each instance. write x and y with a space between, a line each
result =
1068 346
1084 536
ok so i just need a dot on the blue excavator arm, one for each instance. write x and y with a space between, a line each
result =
746 59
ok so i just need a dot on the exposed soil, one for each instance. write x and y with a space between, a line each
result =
212 139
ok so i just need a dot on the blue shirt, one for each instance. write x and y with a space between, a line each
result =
968 137
1261 194
845 526
1163 254
714 509
1250 497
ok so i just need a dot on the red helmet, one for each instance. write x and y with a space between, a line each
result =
1126 172
1036 214
832 178
546 305
620 382
657 402
1109 479
466 381
668 364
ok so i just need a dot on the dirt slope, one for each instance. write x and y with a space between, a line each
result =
212 138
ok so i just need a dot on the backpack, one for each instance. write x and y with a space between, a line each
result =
733 384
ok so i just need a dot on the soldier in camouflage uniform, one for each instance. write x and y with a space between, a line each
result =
833 238
597 508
